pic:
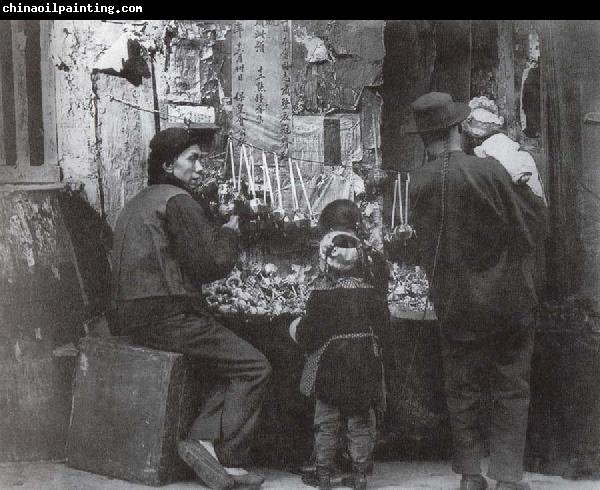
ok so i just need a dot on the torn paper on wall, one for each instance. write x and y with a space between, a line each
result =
308 139
114 57
261 83
177 114
316 50
350 137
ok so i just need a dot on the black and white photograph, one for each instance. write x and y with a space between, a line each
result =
295 254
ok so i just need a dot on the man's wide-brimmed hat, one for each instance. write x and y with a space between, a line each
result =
435 111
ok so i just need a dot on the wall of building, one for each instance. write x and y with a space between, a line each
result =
183 70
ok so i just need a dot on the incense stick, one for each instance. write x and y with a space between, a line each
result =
375 142
279 196
304 190
241 168
395 199
230 150
406 199
268 182
250 181
293 182
400 198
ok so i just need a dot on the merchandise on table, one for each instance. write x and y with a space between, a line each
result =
264 290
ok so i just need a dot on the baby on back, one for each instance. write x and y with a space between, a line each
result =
519 164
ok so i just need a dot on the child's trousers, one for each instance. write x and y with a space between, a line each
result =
360 432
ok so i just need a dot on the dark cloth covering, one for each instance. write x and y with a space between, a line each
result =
349 374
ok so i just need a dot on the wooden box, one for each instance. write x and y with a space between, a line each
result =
130 407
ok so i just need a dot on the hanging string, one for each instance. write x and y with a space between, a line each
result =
165 116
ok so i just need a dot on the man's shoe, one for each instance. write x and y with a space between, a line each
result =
473 482
508 485
248 480
208 469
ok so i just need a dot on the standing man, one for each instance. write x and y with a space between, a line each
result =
477 233
166 245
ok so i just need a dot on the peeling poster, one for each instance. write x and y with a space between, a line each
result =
261 81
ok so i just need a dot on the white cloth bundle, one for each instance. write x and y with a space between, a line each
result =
519 164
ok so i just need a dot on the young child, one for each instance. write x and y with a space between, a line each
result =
344 315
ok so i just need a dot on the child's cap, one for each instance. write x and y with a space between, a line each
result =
340 214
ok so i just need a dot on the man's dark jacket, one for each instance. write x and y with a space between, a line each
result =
166 245
484 275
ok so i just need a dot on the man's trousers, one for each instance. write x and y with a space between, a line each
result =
230 413
503 360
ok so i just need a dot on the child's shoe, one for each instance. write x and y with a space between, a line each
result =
358 479
320 478
324 477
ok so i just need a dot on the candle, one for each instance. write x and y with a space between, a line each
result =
293 183
406 198
399 181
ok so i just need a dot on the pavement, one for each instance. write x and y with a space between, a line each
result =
401 475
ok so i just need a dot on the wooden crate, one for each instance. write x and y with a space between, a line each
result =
130 407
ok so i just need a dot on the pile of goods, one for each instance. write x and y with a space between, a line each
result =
251 188
408 288
262 290
255 289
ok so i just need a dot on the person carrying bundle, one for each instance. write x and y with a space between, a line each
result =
477 233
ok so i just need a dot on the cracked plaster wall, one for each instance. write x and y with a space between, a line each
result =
189 59
102 143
